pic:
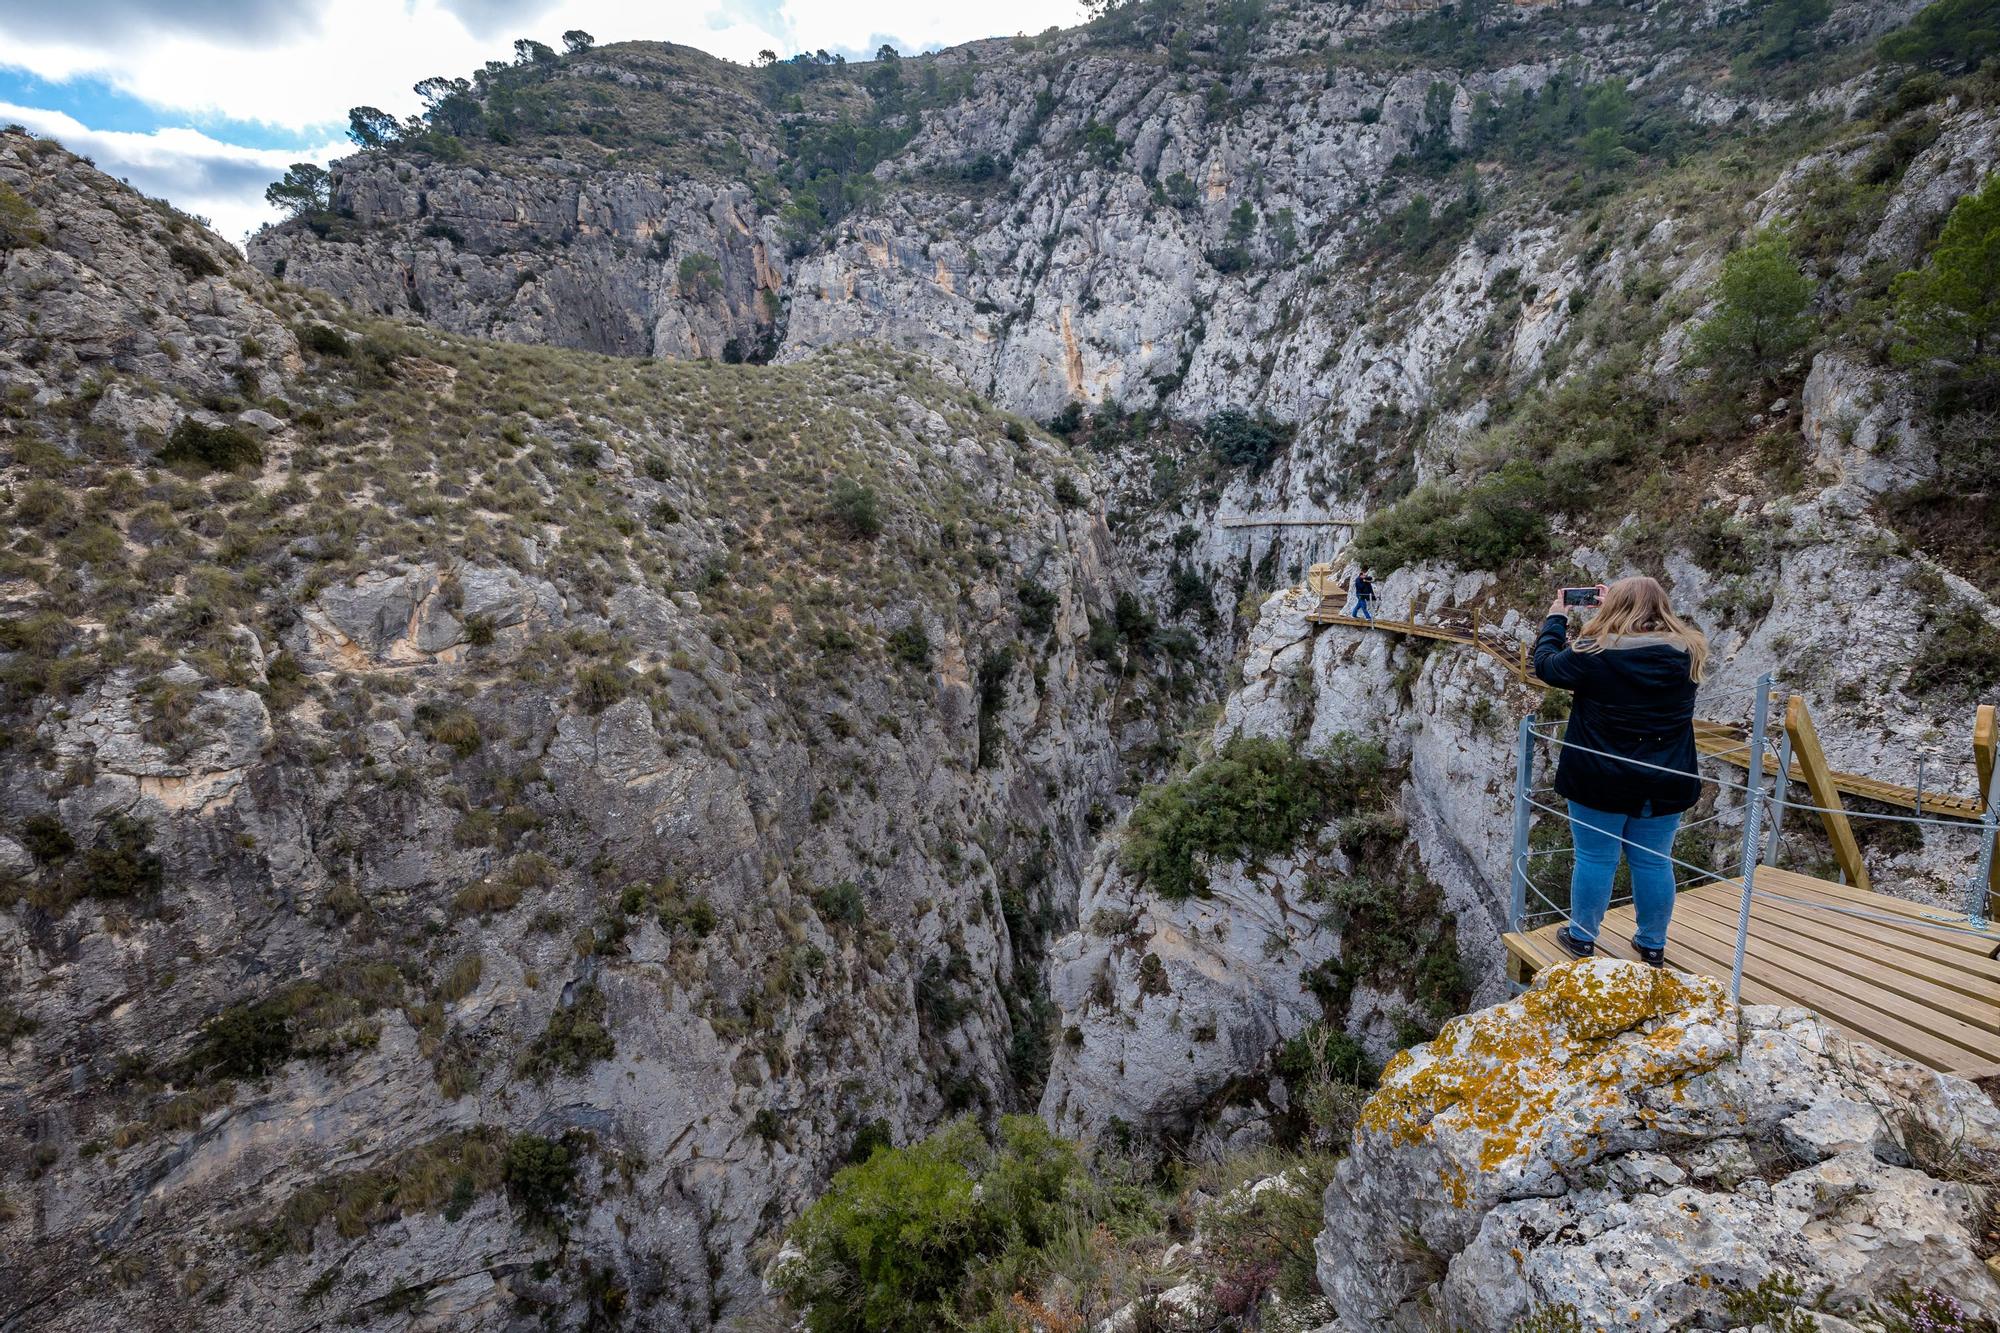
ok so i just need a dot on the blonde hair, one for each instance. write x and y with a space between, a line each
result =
1638 605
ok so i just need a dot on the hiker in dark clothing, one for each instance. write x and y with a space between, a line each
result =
1364 593
1628 758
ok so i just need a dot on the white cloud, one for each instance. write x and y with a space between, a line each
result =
297 66
307 68
220 181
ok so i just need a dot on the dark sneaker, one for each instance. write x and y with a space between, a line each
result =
1650 957
1576 947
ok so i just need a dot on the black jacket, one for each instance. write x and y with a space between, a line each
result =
1364 589
1632 699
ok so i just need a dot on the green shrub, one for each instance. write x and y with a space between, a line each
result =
120 864
541 1177
1255 797
1323 1049
443 1175
192 260
324 340
600 685
1762 319
855 509
485 897
321 1017
574 1040
1958 34
14 1025
886 1248
1960 657
1066 492
910 644
46 839
216 448
895 1240
1038 607
1242 440
1261 1242
20 226
698 275
244 1041
1575 450
1948 312
843 903
448 726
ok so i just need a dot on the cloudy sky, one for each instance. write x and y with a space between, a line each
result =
204 102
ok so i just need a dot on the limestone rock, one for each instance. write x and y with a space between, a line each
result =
1569 1147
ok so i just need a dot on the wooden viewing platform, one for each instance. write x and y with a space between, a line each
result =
1919 981
1930 995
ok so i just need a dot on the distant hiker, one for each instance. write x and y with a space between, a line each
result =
1628 757
1364 593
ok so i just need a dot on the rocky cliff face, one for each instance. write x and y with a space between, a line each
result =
501 847
501 844
615 212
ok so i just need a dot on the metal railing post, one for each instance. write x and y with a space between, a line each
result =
1982 877
1760 719
1783 793
1524 769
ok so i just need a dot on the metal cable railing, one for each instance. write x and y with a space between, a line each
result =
1760 793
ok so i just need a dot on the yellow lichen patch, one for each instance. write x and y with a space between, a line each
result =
1586 1036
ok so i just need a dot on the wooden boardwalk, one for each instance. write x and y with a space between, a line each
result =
1725 741
1285 520
1892 977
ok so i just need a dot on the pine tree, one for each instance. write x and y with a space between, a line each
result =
1762 318
1948 312
304 189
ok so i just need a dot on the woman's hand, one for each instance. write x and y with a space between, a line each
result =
1556 608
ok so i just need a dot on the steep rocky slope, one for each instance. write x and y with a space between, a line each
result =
486 828
562 771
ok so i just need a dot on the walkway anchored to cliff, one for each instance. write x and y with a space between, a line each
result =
1281 520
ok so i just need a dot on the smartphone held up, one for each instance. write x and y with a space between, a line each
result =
1581 596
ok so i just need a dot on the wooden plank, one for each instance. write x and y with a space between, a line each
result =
1771 938
1968 973
1819 781
1923 922
1911 1038
1910 1026
1776 975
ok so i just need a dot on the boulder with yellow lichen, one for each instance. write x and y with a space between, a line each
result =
1625 1142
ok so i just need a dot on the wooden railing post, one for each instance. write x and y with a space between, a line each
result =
1819 781
1985 739
1985 742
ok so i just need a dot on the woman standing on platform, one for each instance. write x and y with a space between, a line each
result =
1628 757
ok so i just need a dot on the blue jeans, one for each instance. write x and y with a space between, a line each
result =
1361 609
1649 840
